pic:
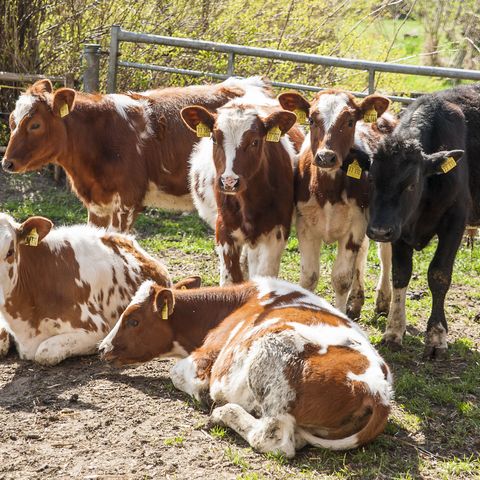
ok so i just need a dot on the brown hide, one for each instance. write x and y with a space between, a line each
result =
102 152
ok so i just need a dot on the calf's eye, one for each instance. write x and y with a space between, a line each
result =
34 126
9 253
214 140
410 187
350 123
131 322
310 121
255 143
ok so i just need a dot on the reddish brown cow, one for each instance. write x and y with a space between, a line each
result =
250 176
121 152
284 368
332 190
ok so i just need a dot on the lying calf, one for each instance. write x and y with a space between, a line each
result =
62 290
288 368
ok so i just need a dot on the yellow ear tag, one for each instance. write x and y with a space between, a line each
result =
64 110
448 164
32 238
301 116
165 312
203 130
354 170
370 116
274 134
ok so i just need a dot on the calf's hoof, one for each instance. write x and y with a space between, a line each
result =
5 342
392 342
435 353
391 345
382 308
353 312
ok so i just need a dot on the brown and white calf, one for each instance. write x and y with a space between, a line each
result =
242 182
284 368
121 152
332 191
59 298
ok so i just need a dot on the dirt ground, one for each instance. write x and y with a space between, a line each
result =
84 419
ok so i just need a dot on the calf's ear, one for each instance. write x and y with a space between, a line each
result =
195 115
34 230
164 302
379 103
294 102
442 162
41 86
187 283
282 119
63 101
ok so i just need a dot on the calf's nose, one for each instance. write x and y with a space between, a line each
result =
7 165
380 234
325 158
229 182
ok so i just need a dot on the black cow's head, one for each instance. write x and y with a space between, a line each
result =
399 171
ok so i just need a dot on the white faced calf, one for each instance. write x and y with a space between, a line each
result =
284 368
250 170
332 191
62 290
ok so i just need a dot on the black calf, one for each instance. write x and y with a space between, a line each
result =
426 182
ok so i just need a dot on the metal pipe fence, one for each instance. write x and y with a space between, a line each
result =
119 35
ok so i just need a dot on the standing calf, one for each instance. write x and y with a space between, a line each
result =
62 290
121 152
331 191
284 368
242 179
426 182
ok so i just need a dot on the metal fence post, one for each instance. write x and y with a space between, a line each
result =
91 75
112 60
371 81
231 64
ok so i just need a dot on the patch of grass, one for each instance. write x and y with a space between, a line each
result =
176 441
465 467
218 431
277 457
236 458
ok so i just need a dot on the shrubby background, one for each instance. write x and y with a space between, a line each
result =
47 36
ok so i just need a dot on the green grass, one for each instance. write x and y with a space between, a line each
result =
176 441
434 429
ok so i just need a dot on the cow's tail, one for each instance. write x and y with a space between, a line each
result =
375 425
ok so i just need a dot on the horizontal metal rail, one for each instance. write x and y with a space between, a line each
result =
27 77
119 35
222 76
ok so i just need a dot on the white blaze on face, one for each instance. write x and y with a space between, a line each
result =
329 108
233 123
23 107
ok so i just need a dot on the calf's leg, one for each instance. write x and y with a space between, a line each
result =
55 349
356 297
343 269
309 245
266 434
401 272
264 259
384 285
450 235
229 257
4 342
192 376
